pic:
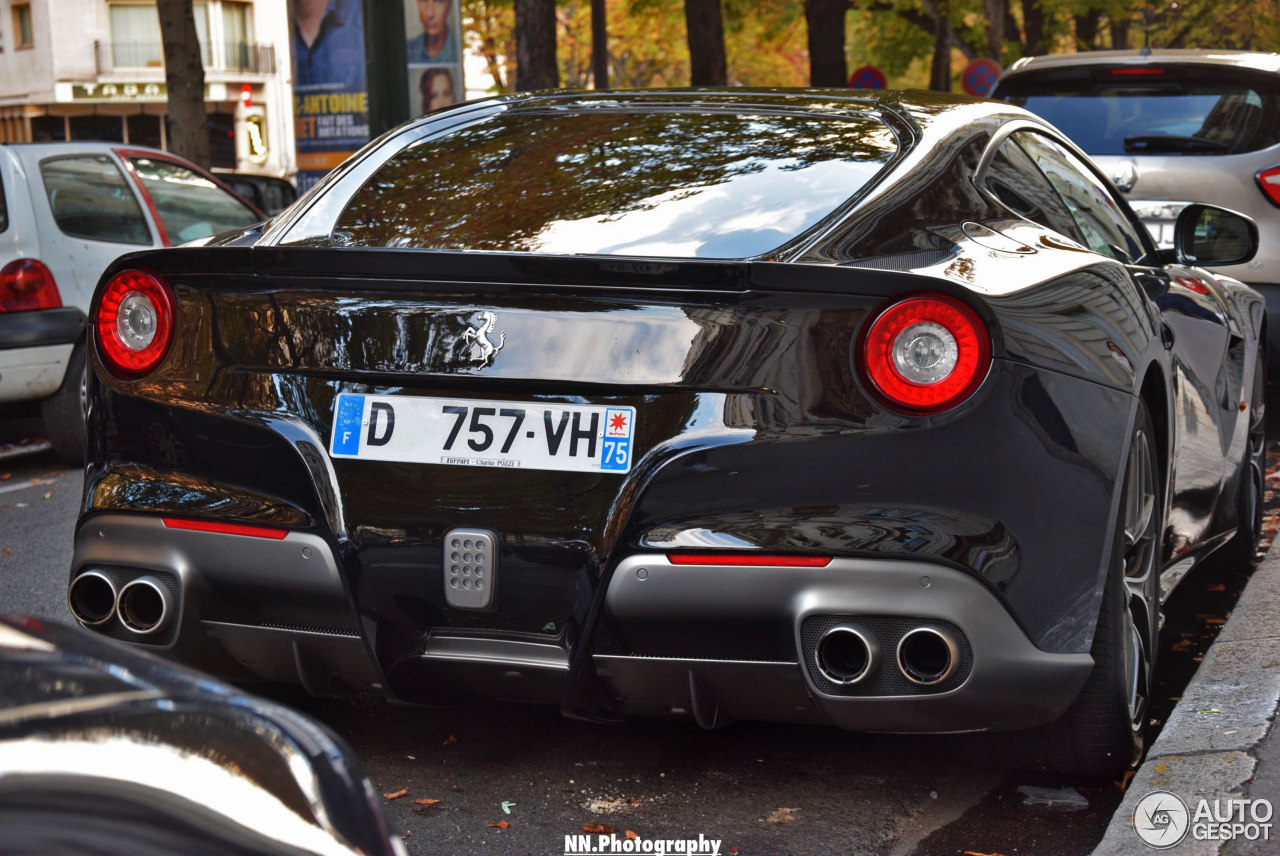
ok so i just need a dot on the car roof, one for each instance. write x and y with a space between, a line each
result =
32 152
917 110
1179 56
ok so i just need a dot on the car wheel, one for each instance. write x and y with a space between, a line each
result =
1241 552
63 412
1104 730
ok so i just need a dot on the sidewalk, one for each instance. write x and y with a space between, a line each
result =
1218 744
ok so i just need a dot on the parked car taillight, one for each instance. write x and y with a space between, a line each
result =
27 284
134 322
925 354
1269 181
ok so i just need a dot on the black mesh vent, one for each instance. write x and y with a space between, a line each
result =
608 643
887 680
116 630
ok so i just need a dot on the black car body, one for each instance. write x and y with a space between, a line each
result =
108 750
880 412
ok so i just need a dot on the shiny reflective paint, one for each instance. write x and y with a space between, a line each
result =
108 750
753 432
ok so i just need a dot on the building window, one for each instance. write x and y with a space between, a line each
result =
236 26
135 35
22 37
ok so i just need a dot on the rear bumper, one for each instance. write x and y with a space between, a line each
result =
34 350
245 607
1003 682
278 610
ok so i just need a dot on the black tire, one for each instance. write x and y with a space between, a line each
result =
1241 552
1103 732
63 412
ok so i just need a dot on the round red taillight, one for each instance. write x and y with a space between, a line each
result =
925 354
26 284
134 323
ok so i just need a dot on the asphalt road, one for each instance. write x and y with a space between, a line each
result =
759 789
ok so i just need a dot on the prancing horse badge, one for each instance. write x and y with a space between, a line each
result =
480 348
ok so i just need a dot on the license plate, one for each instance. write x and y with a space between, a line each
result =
1161 232
461 432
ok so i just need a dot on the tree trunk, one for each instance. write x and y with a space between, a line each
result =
706 43
184 77
1033 21
599 46
536 66
1120 34
940 71
825 19
995 11
1087 28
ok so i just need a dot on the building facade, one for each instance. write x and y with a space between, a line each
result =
94 70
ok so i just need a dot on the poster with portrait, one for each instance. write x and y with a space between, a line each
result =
432 87
330 87
434 53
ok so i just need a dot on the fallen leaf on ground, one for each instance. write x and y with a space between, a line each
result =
425 802
452 740
597 829
976 853
502 824
7 550
395 795
632 836
1181 645
783 815
1218 587
1123 784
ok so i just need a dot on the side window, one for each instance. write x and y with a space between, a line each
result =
90 199
1105 227
1012 177
189 205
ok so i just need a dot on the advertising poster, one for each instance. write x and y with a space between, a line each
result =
330 88
434 53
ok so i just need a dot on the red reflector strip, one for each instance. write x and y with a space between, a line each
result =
772 560
1136 72
226 528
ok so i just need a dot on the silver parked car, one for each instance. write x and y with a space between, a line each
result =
1171 127
67 210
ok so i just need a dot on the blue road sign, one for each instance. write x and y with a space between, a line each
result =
867 77
980 77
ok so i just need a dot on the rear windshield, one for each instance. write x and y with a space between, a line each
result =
672 184
1183 115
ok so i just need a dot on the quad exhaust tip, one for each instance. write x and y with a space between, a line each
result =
92 598
846 654
928 656
145 606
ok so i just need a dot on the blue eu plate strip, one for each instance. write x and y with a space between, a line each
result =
346 425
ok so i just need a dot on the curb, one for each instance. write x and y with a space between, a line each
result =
1209 747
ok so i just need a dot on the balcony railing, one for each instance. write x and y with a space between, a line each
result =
225 56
